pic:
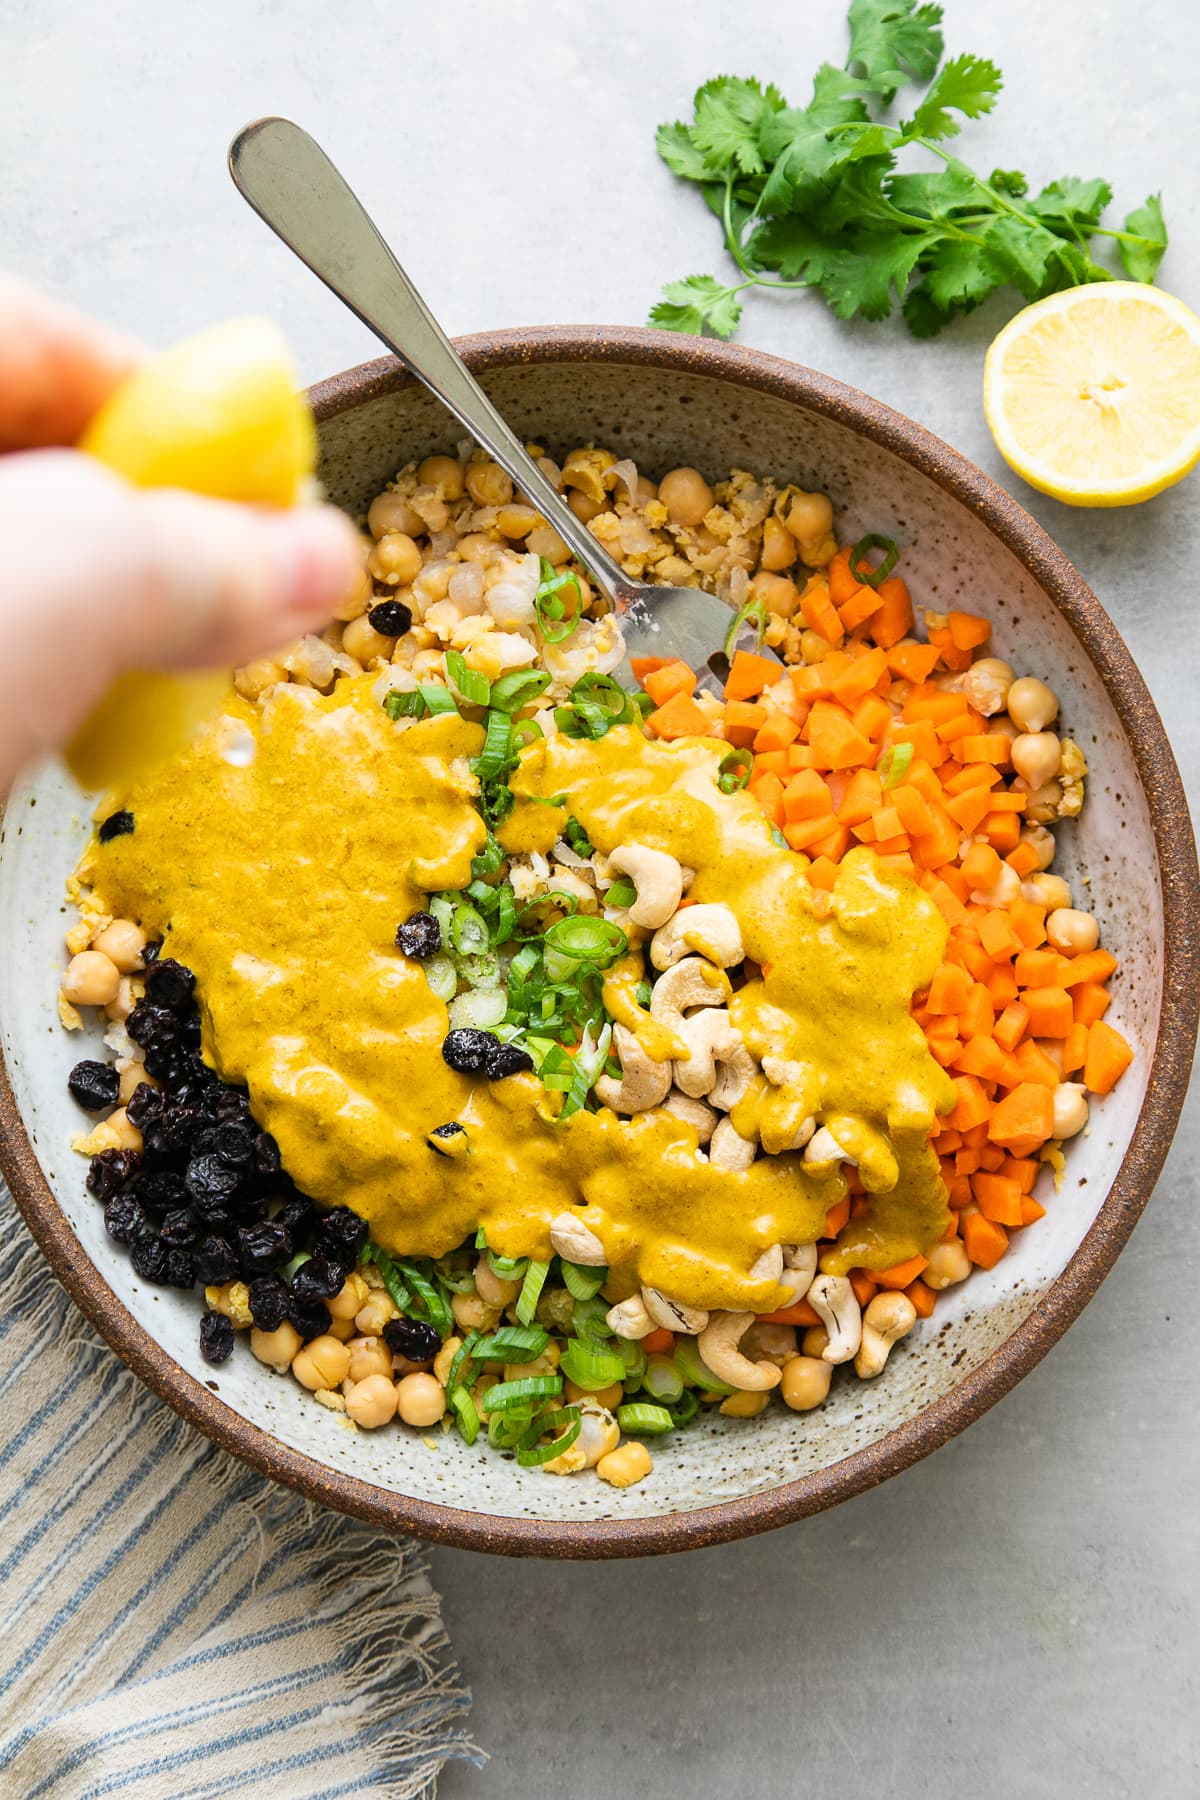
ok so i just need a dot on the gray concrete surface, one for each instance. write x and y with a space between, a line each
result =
1017 1616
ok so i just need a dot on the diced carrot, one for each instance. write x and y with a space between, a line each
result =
923 1298
955 730
1037 968
984 1241
834 845
865 1286
1031 1211
894 619
1090 1002
841 582
768 791
658 1341
837 1217
834 740
872 715
921 735
1090 966
997 935
938 707
863 794
646 665
819 613
969 809
772 762
1033 1064
972 1105
908 659
673 678
1050 1012
958 1192
998 1198
1024 1170
801 1313
1026 1116
981 866
978 1016
946 901
776 732
1002 830
811 682
968 630
743 721
805 834
1028 921
1001 985
1075 1049
822 873
806 796
1108 1056
750 674
1010 1026
949 990
1024 859
933 849
887 823
858 678
680 717
982 1056
976 775
1008 800
913 810
860 606
993 747
901 1273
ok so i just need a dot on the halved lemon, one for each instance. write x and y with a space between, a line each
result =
219 414
1093 395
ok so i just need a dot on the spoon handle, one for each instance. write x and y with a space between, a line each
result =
292 185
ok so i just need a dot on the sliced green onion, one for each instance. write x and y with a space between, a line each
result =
693 1368
493 759
642 705
462 1367
583 719
588 939
555 627
872 574
591 1367
438 698
632 1355
734 771
512 1343
468 930
640 1420
507 1394
473 686
578 838
454 1272
643 993
553 897
478 1010
527 731
490 860
531 1289
403 703
778 838
400 1294
621 893
602 691
685 1408
530 1453
466 1416
662 1380
518 689
439 1313
589 1321
894 764
582 1282
754 612
507 1268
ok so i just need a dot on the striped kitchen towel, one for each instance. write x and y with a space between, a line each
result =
173 1627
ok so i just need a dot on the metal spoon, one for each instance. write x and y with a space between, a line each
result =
293 186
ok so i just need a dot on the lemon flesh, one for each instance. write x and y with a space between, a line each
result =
1093 395
220 415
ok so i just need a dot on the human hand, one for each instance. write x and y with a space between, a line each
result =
97 577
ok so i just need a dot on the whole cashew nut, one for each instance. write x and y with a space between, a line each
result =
735 1074
718 1345
693 1112
685 987
711 929
832 1298
658 879
799 1267
571 1238
643 1084
729 1149
711 1040
630 1319
673 1315
769 1265
823 1150
888 1318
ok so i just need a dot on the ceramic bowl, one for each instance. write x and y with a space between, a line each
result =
664 401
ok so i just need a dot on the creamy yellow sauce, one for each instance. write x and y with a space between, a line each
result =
282 882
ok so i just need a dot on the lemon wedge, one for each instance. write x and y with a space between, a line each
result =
1093 395
220 415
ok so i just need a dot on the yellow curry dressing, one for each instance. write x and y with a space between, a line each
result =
281 884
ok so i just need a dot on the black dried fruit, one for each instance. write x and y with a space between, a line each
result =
164 1062
507 1059
318 1279
161 1189
268 1302
299 1216
177 1126
419 936
414 1338
234 1144
149 1258
216 1337
116 825
152 951
215 1261
179 1228
310 1317
110 1170
391 618
261 1247
181 1269
467 1049
265 1159
95 1085
231 1105
145 1105
170 984
209 1182
147 1024
339 1236
124 1219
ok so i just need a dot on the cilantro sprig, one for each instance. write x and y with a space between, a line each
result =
816 197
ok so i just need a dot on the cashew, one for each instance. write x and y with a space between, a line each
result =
673 1314
737 1071
718 1346
643 1084
712 929
658 879
888 1318
709 1036
823 1150
765 1342
799 1267
692 1112
729 1149
782 1071
630 1319
572 1238
769 1265
832 1298
684 987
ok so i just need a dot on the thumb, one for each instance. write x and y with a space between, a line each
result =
97 577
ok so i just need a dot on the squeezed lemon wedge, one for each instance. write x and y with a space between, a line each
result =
1093 394
219 414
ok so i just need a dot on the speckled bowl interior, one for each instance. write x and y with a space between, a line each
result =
964 544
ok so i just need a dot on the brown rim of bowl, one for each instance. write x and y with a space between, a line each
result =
1130 1190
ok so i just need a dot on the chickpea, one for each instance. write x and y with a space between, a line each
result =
91 979
1037 757
815 1341
445 1356
805 1381
276 1348
1070 1109
488 485
1050 891
350 1298
361 640
253 679
608 1397
357 597
372 1402
473 1313
647 491
686 496
491 1289
623 1467
779 548
543 540
343 1329
779 595
810 518
120 1134
948 1264
375 1313
744 1405
122 942
368 1356
321 1363
442 472
395 559
516 521
420 1400
120 1008
765 1342
392 512
1031 704
583 506
132 1078
474 547
1041 842
1043 803
1071 931
986 684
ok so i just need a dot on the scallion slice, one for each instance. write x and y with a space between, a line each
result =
489 861
868 573
434 1302
662 1380
466 1415
519 689
734 770
685 1408
531 1289
507 1394
403 703
468 930
530 1452
632 1355
640 1420
589 1323
894 764
588 939
462 1368
438 698
493 759
507 1268
527 731
392 1280
754 612
621 893
693 1368
478 1010
602 691
551 614
473 686
582 1282
591 1367
512 1344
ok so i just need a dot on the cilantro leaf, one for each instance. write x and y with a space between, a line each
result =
1141 260
1073 205
679 151
892 41
936 195
697 304
1008 181
792 246
957 277
729 115
1023 253
797 141
861 279
968 85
